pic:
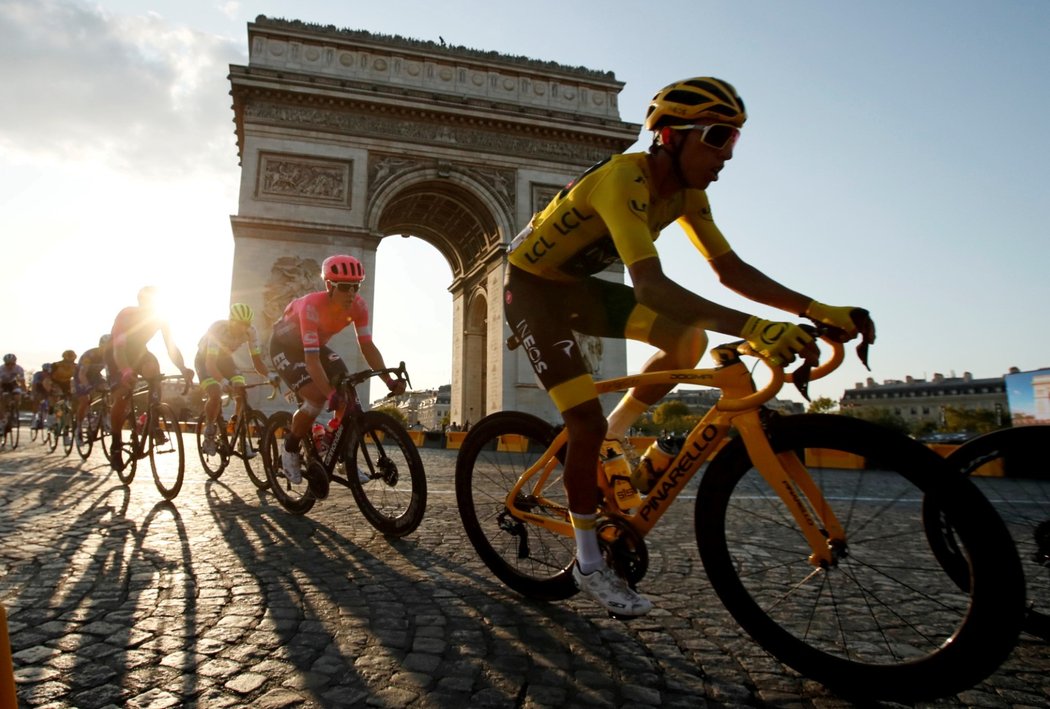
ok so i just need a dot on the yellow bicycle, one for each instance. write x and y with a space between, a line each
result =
809 527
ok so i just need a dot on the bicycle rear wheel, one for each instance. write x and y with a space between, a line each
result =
1010 469
167 458
249 441
293 497
131 444
11 430
52 435
67 430
885 620
215 463
530 559
386 475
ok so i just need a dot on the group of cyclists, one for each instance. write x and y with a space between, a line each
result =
612 213
299 354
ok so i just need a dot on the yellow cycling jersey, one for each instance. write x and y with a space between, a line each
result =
610 213
62 371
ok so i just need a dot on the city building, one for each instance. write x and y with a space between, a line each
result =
919 401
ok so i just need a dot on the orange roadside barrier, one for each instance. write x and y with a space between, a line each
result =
8 698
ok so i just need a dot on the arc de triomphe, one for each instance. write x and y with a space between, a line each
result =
346 137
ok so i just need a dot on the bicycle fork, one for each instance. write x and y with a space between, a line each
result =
788 476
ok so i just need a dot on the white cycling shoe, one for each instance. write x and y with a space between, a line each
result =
292 466
611 592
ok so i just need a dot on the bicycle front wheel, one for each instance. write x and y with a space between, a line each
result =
250 444
87 430
531 559
213 463
130 449
1009 467
167 458
885 619
293 497
386 475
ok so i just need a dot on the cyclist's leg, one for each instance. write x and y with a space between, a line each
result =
290 365
679 346
540 315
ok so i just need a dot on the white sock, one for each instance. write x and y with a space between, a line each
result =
588 554
624 415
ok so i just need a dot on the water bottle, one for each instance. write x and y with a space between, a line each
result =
321 438
618 471
654 462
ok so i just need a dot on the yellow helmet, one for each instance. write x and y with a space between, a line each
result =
241 312
690 100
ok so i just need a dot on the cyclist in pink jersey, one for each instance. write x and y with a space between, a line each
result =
299 351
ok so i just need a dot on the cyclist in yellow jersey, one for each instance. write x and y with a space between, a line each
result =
214 363
62 373
614 212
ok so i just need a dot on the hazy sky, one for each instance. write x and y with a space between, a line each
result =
895 157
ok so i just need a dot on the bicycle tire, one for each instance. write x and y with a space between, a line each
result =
68 430
33 432
105 431
11 430
907 631
167 457
293 497
394 500
52 437
130 449
251 433
215 464
87 431
533 561
1019 490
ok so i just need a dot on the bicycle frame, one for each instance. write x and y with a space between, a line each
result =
740 408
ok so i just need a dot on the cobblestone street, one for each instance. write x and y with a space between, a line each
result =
222 599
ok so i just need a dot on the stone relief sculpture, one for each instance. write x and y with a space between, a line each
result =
591 349
290 277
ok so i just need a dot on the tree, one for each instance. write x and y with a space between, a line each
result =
823 405
672 409
393 411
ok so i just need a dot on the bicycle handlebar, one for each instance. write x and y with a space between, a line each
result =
356 378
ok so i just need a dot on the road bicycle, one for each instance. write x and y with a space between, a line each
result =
809 528
1011 468
95 426
153 431
11 422
58 428
370 453
38 423
241 437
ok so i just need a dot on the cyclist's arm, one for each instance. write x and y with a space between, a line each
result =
740 276
260 365
374 358
656 291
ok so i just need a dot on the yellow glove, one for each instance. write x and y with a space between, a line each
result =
841 317
778 341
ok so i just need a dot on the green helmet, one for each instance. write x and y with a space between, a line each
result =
241 312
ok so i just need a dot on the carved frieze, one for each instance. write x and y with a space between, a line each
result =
382 168
472 138
293 178
290 277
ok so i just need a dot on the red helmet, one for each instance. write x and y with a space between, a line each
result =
342 269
